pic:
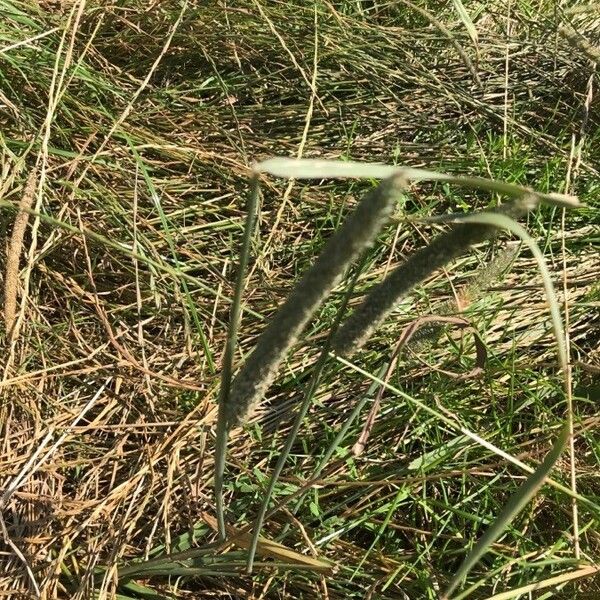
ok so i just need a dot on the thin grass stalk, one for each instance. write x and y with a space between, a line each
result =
467 22
356 234
230 346
291 438
384 297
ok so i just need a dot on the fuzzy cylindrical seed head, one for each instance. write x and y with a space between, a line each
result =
357 233
382 298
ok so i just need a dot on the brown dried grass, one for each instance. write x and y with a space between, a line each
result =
133 471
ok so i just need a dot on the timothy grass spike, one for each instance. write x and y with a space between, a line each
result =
356 234
13 255
444 248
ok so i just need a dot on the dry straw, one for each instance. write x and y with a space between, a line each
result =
356 234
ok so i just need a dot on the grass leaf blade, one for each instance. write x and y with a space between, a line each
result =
314 168
466 20
510 510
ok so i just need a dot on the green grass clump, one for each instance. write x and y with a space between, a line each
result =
143 122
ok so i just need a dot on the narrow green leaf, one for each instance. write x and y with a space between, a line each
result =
313 168
509 512
466 19
139 591
536 479
437 455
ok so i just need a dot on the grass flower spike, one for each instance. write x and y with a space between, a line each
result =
444 248
356 235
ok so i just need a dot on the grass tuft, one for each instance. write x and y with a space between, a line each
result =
144 121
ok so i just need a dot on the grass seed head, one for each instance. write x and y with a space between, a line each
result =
356 235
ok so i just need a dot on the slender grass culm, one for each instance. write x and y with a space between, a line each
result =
356 234
230 346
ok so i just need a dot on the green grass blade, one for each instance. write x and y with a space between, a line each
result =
466 20
341 434
337 440
139 591
536 479
510 510
313 168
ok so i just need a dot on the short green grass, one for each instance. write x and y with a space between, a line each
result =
132 328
